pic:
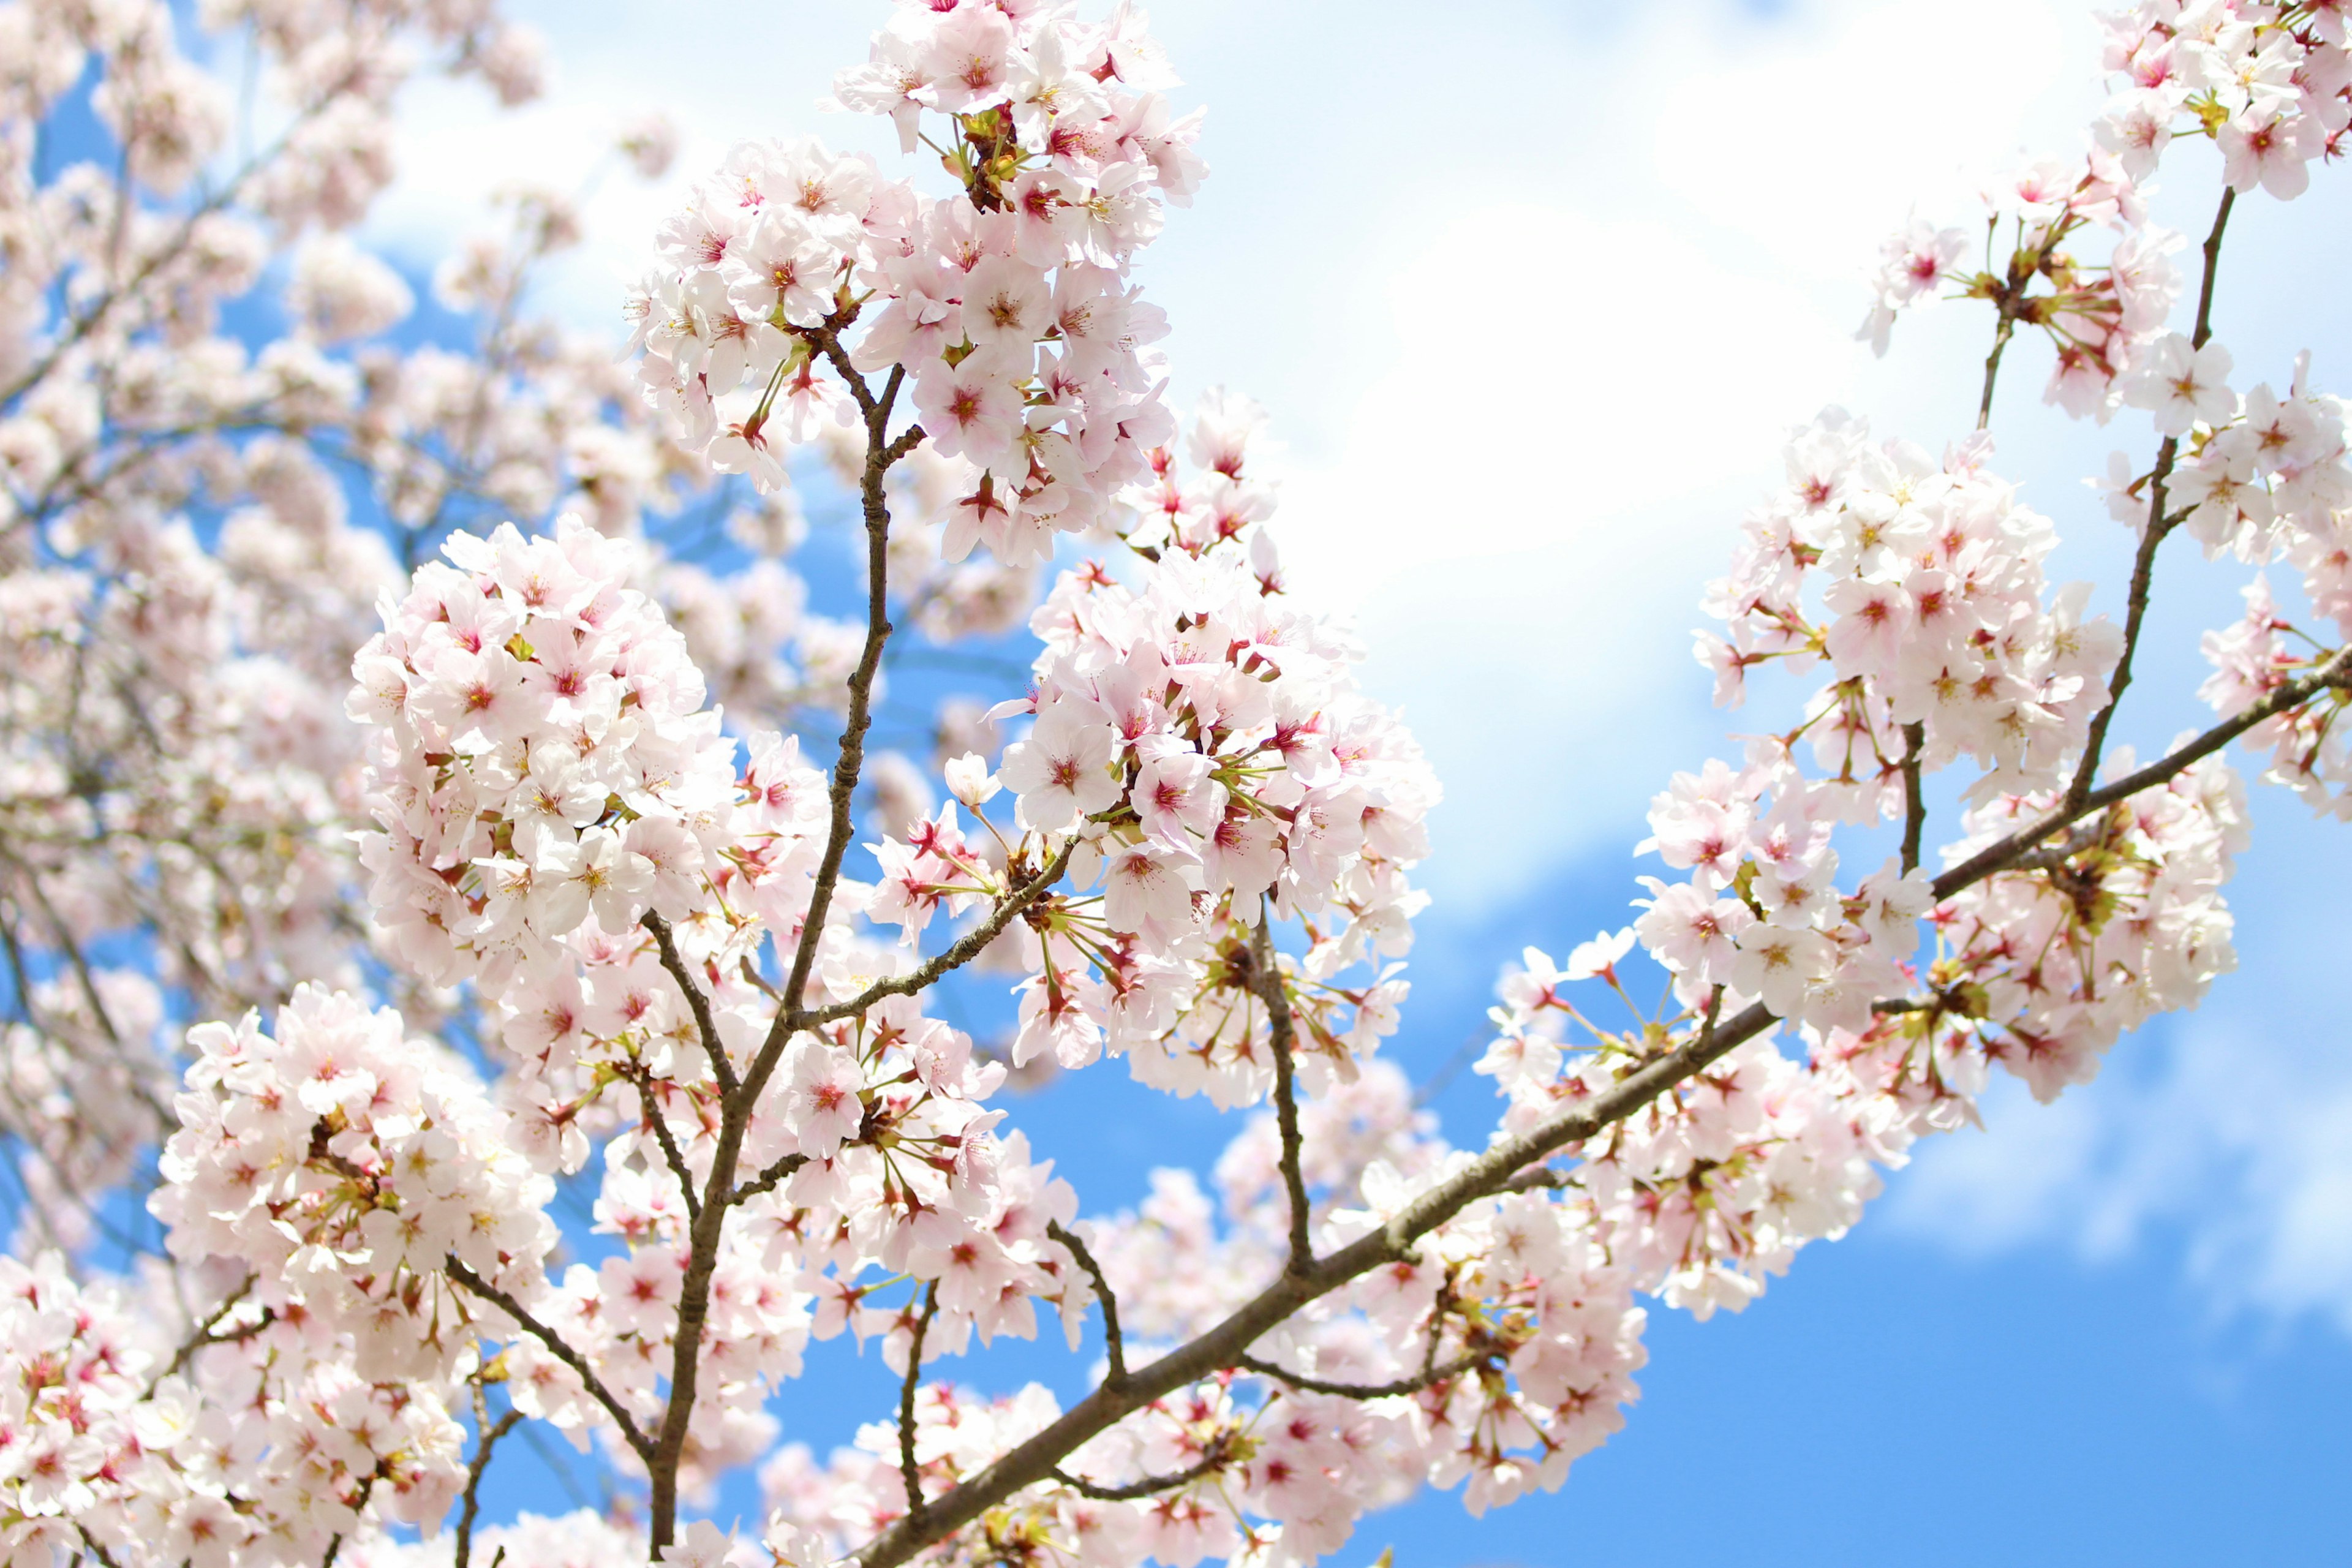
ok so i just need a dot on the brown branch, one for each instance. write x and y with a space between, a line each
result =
559 1350
1114 1347
1266 979
475 1470
674 1157
1992 364
2334 671
1028 1463
766 1180
202 1336
1414 1384
965 949
1914 799
704 1024
1494 1171
1217 1458
909 1472
2159 527
702 1254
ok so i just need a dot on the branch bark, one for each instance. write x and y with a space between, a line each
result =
1503 1167
1266 980
2158 527
561 1350
1115 1347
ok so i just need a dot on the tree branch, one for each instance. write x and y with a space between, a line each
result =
202 1336
1032 1461
671 1154
2335 671
766 1180
2158 527
721 1068
1266 979
472 1502
1414 1384
1114 1347
1498 1169
710 1227
909 1471
559 1350
964 949
1217 1458
1914 799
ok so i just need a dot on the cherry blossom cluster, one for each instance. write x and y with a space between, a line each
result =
116 1445
345 1167
1933 613
2270 85
1202 739
543 755
194 523
1005 306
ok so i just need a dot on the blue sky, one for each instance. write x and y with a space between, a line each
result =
1531 291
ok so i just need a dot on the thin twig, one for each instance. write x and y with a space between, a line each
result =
964 949
1266 980
1114 1347
766 1180
1150 1486
704 1024
558 1347
2160 526
202 1336
2005 852
909 1471
672 1155
735 1114
472 1501
1914 799
1414 1384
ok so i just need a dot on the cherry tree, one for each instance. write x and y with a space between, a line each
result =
521 1004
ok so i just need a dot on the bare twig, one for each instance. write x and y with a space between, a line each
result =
1914 799
766 1181
2000 336
964 949
909 1471
2334 671
1432 1374
668 1449
472 1501
1217 1458
561 1350
1114 1346
674 1157
696 1001
203 1336
2158 527
1266 980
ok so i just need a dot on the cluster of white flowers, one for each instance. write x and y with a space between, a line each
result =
541 757
267 1457
1933 611
345 1165
1202 739
1005 306
2269 84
